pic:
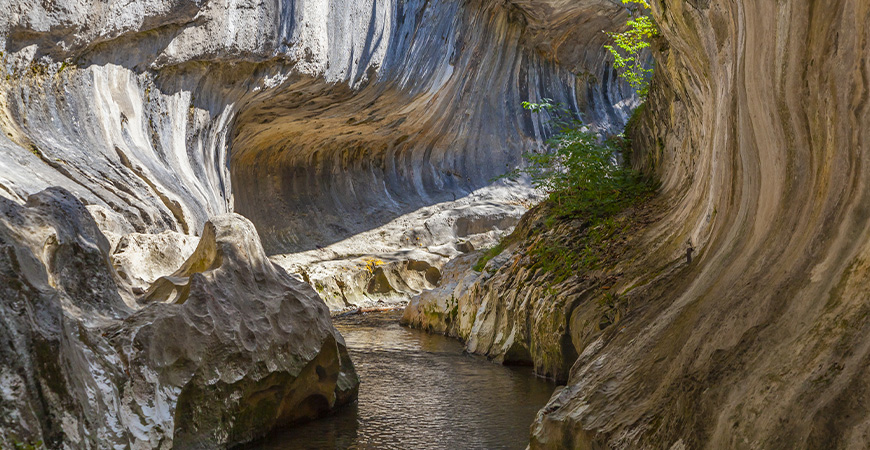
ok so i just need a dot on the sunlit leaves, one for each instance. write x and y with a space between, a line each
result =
628 46
578 171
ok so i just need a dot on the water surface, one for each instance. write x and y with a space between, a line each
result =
420 391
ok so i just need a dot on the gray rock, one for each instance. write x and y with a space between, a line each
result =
464 247
246 349
390 264
140 259
508 311
113 225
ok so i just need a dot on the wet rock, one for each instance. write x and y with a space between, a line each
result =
248 350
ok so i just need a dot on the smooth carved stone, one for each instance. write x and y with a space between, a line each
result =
250 349
757 124
140 259
317 120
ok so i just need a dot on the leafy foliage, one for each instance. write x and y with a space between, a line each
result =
587 188
628 47
580 173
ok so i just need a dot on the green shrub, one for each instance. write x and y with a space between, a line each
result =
628 47
579 170
586 187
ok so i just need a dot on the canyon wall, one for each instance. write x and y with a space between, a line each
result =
343 114
757 127
321 120
130 130
758 124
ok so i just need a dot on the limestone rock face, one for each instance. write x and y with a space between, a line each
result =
515 312
450 308
388 265
757 125
241 348
342 113
320 121
140 259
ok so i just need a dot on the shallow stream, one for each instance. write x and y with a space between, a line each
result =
420 391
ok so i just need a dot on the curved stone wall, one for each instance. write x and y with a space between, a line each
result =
757 127
440 118
328 117
316 119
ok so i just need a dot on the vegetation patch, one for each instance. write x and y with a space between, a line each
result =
19 445
590 199
489 254
629 57
587 239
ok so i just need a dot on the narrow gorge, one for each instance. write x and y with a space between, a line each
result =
191 190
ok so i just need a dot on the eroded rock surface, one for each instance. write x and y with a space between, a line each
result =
343 114
245 349
756 126
515 311
140 259
335 118
386 266
319 121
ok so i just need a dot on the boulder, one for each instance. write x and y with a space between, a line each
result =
246 350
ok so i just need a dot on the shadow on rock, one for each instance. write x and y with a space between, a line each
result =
222 351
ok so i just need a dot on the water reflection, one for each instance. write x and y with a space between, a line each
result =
421 391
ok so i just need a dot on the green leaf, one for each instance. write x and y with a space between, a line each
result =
629 45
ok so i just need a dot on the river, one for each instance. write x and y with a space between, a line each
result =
420 391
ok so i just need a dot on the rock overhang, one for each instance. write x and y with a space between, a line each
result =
298 114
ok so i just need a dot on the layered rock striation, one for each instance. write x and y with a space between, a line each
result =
522 307
756 127
346 114
317 120
129 128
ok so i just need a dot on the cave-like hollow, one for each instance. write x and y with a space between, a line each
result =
323 124
431 111
428 111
